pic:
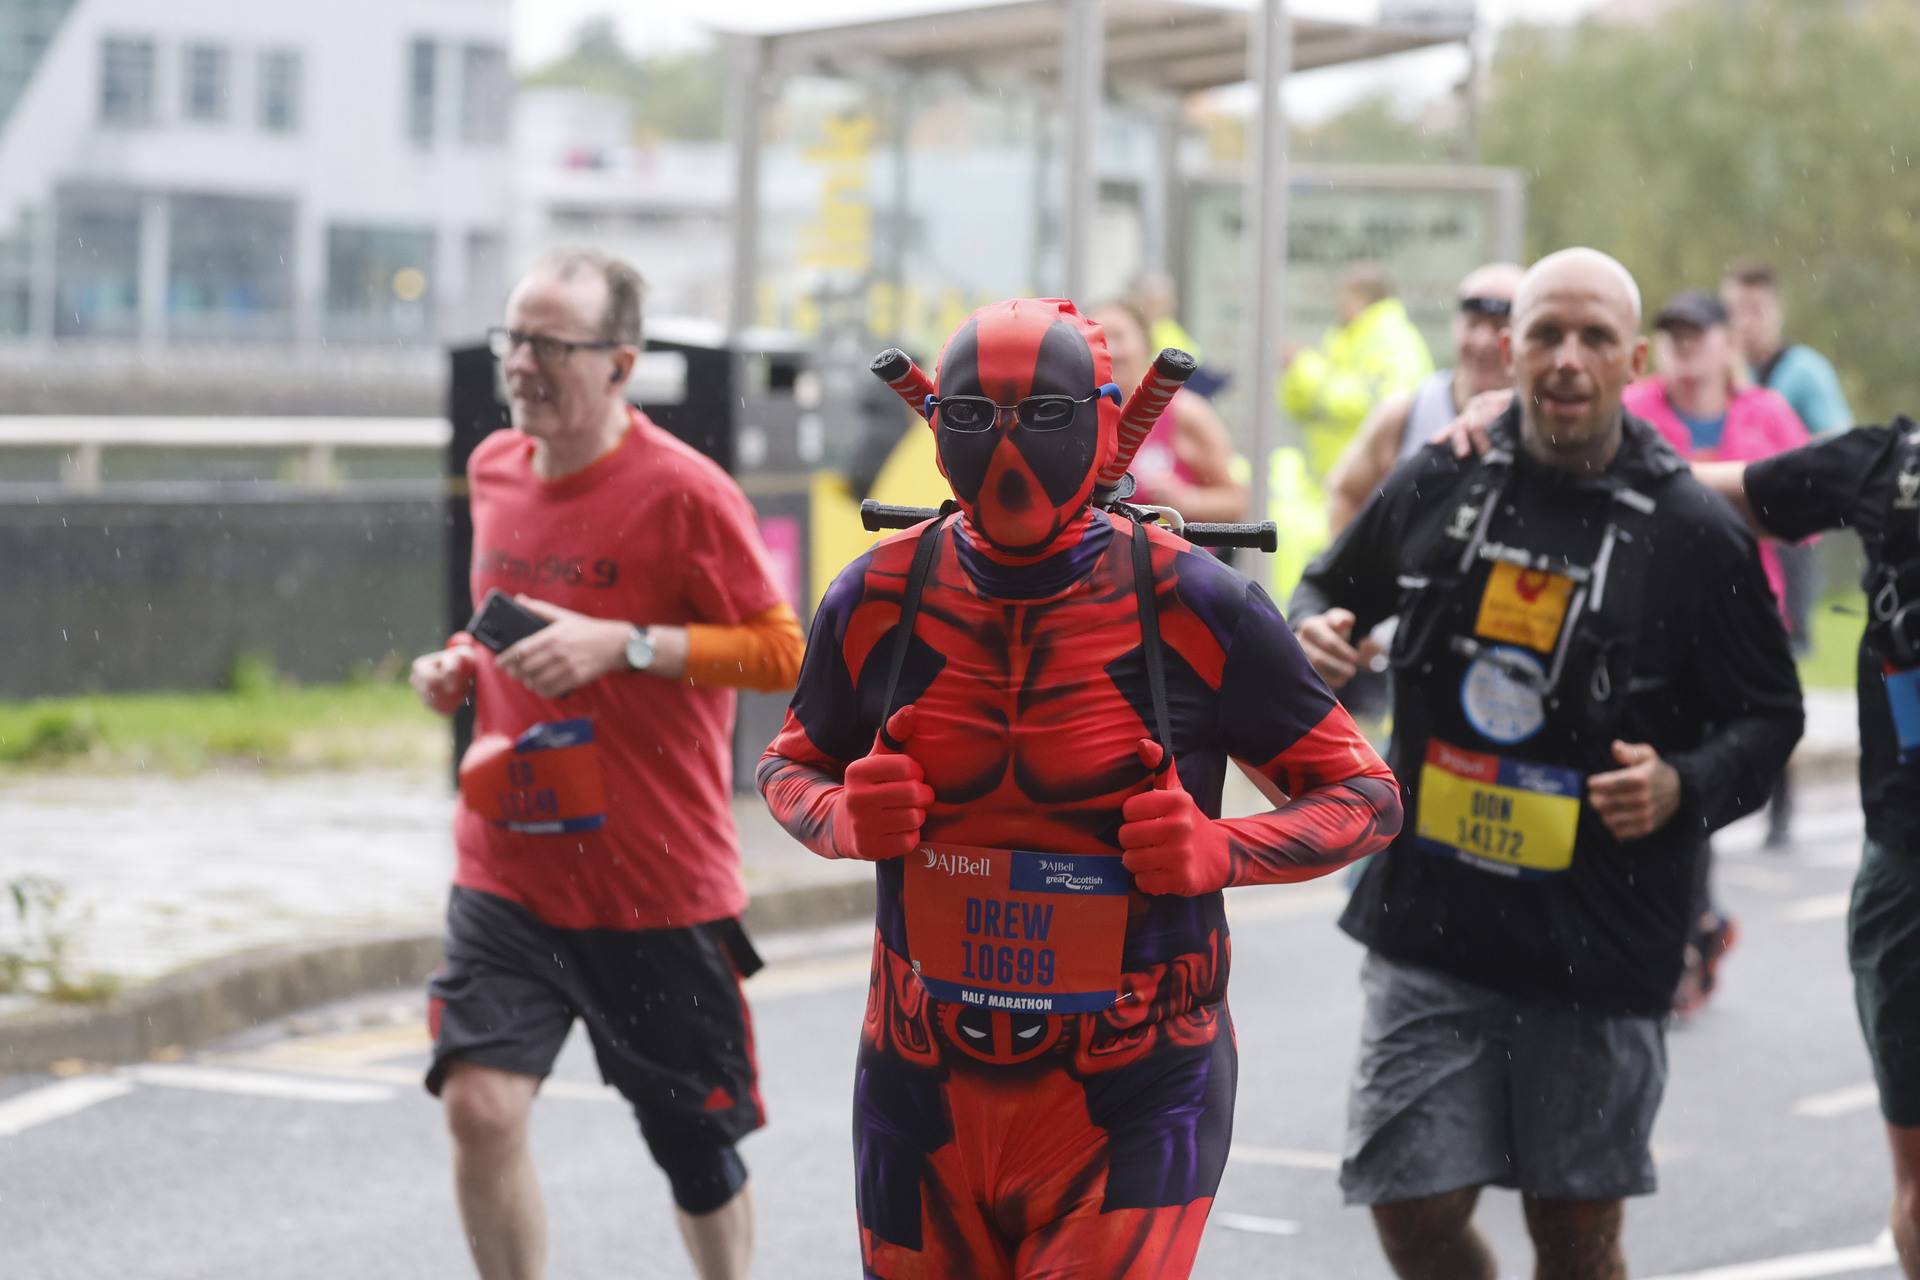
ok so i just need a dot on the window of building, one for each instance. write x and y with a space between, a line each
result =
126 81
206 83
486 95
97 265
380 284
230 268
280 91
421 104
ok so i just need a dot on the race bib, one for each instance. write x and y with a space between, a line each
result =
1903 695
1514 817
1016 930
545 782
1524 606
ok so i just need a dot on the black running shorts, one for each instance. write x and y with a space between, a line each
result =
663 1007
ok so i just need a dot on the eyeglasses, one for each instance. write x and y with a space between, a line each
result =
1492 308
970 415
547 350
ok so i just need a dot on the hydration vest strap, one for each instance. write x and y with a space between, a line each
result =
1150 642
924 552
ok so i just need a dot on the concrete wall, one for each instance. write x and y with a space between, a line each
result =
121 594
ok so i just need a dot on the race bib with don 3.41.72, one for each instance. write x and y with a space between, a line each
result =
1017 930
1515 817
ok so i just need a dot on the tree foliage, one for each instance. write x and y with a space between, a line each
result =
1735 128
678 95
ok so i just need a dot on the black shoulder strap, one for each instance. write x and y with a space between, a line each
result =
928 547
1150 646
924 551
1764 374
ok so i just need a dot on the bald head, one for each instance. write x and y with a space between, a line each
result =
1494 280
1574 344
1581 271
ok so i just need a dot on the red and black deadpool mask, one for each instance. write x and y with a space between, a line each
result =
1026 414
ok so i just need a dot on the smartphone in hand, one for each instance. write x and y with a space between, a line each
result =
499 623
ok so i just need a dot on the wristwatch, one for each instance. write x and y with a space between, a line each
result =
639 649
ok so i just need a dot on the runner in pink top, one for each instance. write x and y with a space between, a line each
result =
1186 462
1703 413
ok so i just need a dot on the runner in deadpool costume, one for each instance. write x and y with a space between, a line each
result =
1046 1074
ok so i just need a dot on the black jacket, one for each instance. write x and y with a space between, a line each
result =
1712 688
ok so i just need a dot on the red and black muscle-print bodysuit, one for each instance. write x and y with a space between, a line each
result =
993 1142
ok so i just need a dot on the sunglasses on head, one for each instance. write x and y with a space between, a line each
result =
1494 308
970 414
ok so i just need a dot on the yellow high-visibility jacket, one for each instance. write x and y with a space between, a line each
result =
1329 390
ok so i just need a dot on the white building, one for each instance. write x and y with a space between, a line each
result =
202 173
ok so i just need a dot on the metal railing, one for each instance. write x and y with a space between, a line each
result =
312 443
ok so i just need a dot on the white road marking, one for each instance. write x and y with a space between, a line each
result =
1285 1158
255 1083
50 1102
1840 1102
406 1077
1803 1266
1259 1226
1827 906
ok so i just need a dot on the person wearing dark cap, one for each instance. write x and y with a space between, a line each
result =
1709 412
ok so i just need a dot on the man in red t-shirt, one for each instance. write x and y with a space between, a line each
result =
598 873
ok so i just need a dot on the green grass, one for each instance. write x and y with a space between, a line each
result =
261 723
1837 623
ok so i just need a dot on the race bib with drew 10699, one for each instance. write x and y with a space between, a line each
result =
1017 930
545 782
1515 817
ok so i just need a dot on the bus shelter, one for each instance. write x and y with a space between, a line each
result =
1077 56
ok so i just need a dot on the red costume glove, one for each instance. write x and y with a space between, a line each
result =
884 798
1171 847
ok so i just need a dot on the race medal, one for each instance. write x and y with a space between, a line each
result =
1016 930
1513 817
546 782
1903 696
1523 606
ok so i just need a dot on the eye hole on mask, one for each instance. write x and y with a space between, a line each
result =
972 414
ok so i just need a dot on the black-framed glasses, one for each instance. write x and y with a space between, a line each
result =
503 342
1492 308
972 414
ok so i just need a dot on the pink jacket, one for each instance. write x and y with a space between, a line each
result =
1760 423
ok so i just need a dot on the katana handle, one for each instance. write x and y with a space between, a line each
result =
1144 407
1262 536
897 369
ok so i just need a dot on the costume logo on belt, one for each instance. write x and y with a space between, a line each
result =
1903 695
1017 930
1514 817
545 782
1524 606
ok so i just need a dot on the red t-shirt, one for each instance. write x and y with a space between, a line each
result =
651 533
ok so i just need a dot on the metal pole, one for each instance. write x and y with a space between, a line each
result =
900 91
746 65
1267 234
1468 150
1082 68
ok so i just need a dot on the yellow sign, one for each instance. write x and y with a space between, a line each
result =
1524 606
1512 816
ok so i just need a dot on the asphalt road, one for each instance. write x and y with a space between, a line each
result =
308 1149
